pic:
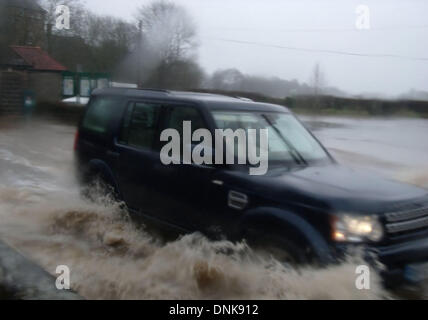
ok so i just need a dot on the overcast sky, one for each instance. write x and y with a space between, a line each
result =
397 27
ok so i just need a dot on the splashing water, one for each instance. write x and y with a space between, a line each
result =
110 258
43 216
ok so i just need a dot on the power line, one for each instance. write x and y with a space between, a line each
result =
338 52
321 30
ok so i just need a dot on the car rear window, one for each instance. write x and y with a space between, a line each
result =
99 114
140 125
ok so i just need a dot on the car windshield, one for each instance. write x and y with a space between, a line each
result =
289 141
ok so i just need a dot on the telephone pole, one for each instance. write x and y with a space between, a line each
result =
140 54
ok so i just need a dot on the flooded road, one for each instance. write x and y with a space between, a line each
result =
396 148
43 216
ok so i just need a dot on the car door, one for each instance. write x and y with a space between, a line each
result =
184 186
136 149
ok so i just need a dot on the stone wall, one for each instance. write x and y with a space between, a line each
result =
47 86
12 86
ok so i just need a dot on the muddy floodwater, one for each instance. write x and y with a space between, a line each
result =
43 216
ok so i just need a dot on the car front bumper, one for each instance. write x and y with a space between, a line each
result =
404 262
398 264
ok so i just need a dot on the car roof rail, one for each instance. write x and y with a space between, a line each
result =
244 99
154 90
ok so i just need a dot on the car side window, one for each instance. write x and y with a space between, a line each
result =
179 114
140 125
99 114
126 122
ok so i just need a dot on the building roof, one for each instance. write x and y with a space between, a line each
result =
24 4
38 59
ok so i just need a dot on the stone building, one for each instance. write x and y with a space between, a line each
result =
29 69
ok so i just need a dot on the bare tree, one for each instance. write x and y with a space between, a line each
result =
229 79
168 29
21 23
77 15
169 36
110 40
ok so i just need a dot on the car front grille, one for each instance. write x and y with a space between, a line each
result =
406 220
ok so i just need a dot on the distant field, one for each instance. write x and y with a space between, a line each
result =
304 105
328 105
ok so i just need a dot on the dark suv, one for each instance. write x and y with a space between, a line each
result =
306 206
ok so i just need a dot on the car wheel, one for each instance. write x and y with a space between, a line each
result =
97 185
280 254
282 250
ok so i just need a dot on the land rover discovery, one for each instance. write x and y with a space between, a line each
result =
306 205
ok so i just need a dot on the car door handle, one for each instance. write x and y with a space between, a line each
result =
217 182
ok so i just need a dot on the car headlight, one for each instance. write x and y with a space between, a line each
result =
353 228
